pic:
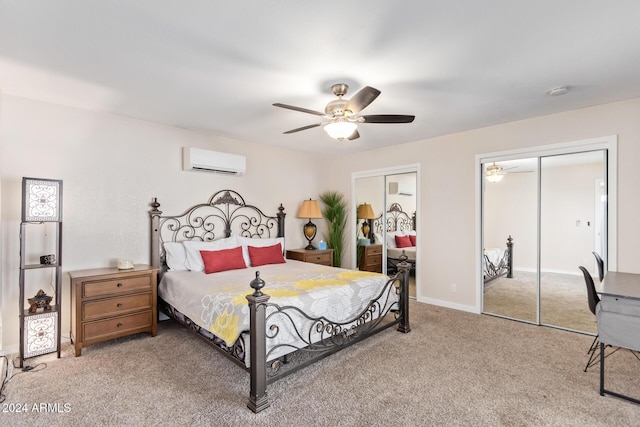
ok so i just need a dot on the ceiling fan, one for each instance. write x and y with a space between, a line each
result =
495 173
342 115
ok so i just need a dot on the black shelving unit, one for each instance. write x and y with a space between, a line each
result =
40 330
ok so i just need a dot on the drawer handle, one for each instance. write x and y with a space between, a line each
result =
119 325
119 305
119 285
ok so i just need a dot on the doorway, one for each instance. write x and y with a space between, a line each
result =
555 205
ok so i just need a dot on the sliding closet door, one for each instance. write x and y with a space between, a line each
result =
509 209
572 219
393 197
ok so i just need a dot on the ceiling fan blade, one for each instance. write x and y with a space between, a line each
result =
303 110
388 118
302 128
354 135
361 100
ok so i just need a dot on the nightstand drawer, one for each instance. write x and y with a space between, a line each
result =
115 306
370 258
117 325
315 256
374 250
325 258
372 262
116 286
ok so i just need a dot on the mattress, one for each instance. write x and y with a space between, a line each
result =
217 302
395 253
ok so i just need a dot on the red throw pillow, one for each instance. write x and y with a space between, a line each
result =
403 242
266 255
222 260
412 238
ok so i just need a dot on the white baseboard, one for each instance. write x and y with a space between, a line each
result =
447 304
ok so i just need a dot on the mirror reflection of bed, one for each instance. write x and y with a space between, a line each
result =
400 238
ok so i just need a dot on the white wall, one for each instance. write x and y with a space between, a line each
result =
111 168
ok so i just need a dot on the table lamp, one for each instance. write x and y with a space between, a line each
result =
310 210
365 212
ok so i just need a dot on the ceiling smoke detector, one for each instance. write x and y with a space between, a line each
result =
559 91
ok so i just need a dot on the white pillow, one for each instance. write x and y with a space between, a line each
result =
176 256
391 238
193 248
378 238
257 243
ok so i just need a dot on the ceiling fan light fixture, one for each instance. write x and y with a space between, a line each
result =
495 178
340 129
494 173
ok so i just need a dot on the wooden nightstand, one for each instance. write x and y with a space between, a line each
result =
370 258
108 303
324 257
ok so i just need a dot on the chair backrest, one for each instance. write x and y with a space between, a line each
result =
600 265
592 295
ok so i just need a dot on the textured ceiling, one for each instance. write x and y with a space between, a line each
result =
218 66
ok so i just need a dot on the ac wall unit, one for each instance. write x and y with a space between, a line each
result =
198 159
400 189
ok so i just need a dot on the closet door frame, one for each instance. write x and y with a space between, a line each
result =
609 143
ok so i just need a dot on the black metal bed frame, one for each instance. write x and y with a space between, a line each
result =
504 266
397 220
226 212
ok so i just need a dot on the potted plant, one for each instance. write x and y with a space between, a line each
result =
335 212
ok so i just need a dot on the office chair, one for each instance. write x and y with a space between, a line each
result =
600 265
594 300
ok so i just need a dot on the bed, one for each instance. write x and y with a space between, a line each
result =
222 274
498 262
400 240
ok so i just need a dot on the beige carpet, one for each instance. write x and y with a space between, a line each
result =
454 368
563 303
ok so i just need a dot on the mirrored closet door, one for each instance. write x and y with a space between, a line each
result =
510 199
386 212
554 210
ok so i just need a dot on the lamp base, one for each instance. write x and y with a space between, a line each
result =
309 234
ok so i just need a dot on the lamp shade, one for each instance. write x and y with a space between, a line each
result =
41 200
365 211
309 209
340 129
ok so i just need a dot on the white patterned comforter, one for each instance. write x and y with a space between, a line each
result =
217 301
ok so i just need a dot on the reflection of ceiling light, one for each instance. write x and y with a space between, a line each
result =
340 129
494 173
495 178
558 91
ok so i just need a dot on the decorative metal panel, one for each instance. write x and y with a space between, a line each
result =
41 200
40 334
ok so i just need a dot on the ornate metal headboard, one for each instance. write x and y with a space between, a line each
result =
225 213
397 220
